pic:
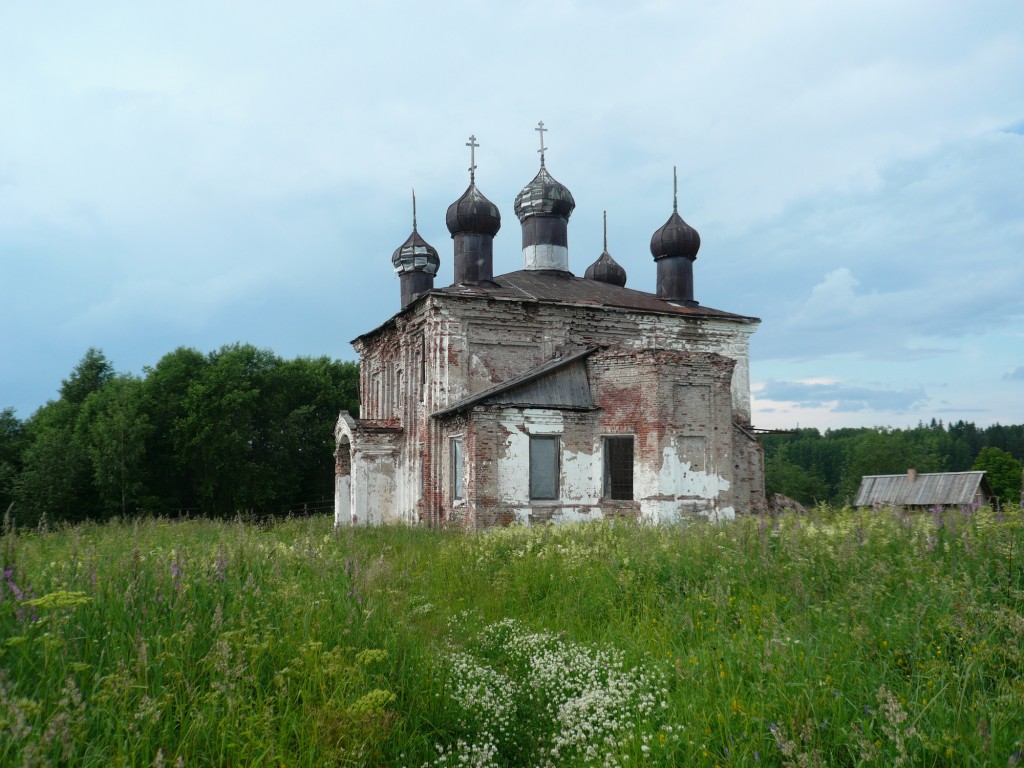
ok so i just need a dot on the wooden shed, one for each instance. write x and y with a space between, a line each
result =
924 490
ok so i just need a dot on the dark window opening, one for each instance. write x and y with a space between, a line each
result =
543 467
618 468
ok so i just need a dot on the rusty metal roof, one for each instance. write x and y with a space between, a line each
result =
551 285
924 490
558 287
558 383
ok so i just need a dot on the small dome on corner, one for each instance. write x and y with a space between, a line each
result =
416 255
675 237
606 269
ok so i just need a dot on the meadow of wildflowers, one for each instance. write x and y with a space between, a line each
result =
834 638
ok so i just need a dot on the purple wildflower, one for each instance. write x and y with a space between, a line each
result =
13 585
177 567
22 613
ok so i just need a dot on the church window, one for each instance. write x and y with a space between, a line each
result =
618 467
423 368
455 445
544 467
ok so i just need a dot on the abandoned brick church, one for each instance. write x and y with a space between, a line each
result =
539 396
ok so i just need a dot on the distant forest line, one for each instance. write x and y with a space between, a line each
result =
235 430
242 430
814 467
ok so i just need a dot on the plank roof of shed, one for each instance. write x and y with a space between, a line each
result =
927 489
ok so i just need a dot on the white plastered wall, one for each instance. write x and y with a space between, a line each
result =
579 472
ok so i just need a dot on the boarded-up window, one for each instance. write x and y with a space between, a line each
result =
618 467
692 451
455 445
543 467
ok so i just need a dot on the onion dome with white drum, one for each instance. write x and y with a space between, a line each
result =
545 196
544 207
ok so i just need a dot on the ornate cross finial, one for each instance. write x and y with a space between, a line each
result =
414 210
472 158
541 129
675 191
606 231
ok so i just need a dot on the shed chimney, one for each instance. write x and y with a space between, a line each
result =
911 475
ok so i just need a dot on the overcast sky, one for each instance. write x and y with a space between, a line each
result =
197 173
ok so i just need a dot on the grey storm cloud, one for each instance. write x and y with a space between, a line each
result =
842 397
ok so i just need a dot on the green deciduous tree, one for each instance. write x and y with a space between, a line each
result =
113 426
56 477
781 475
171 466
1003 472
89 376
12 446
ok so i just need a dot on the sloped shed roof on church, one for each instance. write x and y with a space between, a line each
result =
557 383
923 490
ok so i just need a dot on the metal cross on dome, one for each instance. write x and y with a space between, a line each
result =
472 157
542 130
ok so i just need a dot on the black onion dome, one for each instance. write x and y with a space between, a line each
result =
415 255
675 238
606 270
543 196
473 213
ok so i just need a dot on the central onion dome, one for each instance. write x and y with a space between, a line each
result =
543 208
544 196
415 262
606 269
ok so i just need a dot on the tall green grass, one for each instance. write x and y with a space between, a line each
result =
836 638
